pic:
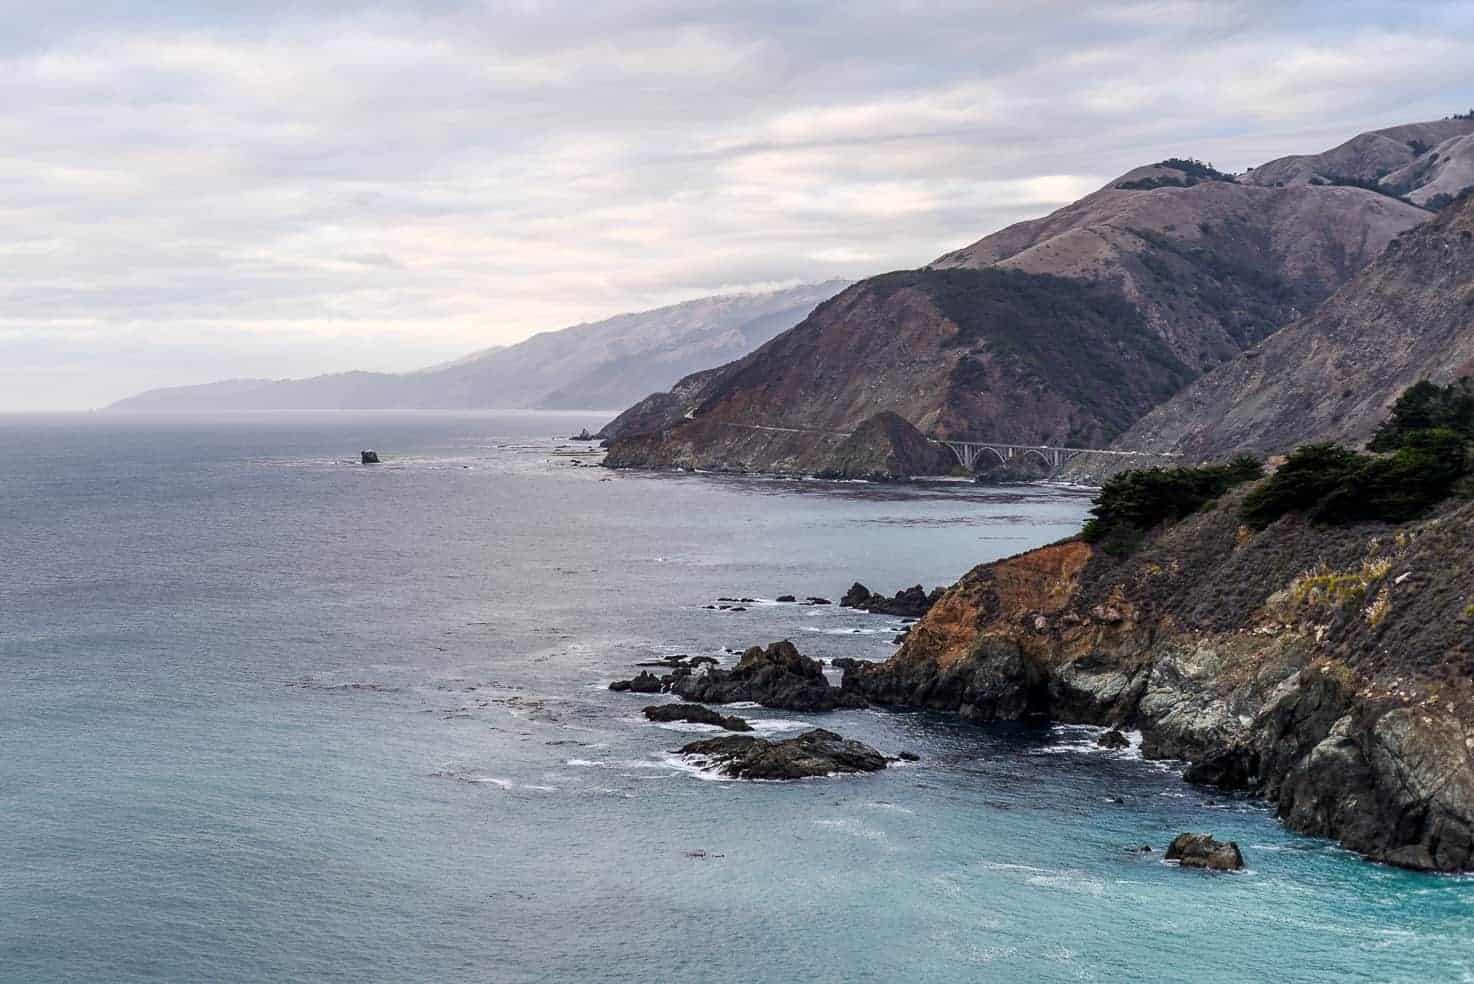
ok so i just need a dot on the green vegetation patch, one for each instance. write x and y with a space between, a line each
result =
1419 457
1323 586
1193 172
1427 406
1136 501
1225 276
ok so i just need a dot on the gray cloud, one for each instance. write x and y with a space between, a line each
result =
193 191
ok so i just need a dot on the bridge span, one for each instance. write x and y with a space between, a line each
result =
1051 456
969 453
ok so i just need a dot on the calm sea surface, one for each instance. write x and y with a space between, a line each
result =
268 715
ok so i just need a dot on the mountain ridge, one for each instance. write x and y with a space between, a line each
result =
592 365
1181 268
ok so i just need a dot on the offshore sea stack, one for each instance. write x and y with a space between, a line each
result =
1329 669
811 755
779 676
1204 851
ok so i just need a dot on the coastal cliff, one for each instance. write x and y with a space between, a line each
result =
1325 668
884 447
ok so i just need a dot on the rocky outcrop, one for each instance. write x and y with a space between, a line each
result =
1327 669
912 602
1202 851
779 676
886 447
695 714
643 683
810 755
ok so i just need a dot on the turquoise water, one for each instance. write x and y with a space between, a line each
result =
267 715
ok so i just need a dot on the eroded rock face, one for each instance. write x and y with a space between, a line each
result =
1202 851
811 754
1356 721
779 676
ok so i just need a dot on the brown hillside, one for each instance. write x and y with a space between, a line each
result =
1332 376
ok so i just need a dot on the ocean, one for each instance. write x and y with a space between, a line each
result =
267 714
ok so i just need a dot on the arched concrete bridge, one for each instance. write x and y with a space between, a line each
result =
1054 458
970 452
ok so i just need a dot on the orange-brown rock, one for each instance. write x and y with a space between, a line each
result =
1327 669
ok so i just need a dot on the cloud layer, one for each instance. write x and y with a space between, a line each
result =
212 189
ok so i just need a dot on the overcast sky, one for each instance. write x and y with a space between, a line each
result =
226 188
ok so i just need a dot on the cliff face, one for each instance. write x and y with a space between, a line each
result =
1062 330
1329 670
884 447
1332 375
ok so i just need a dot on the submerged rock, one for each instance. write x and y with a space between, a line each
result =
696 714
786 599
1113 739
779 676
813 753
1202 851
666 662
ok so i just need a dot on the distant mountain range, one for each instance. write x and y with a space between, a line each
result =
603 364
1070 328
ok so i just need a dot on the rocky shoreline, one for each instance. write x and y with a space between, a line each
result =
1325 669
1340 690
781 677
